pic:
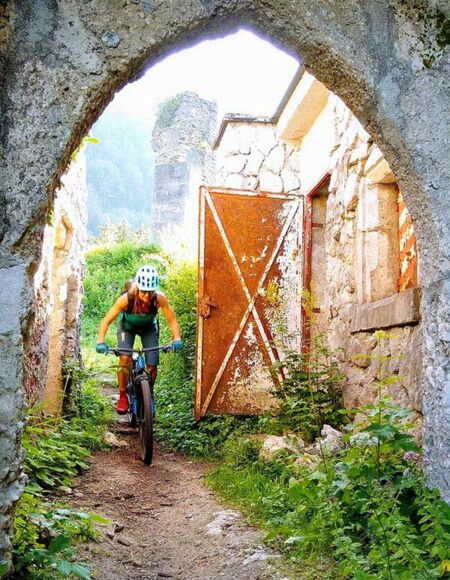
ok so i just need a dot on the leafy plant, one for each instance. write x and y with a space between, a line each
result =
43 539
364 513
311 390
56 448
84 142
45 531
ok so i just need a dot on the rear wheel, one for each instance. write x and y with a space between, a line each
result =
146 422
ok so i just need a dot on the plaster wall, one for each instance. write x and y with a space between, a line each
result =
61 62
53 336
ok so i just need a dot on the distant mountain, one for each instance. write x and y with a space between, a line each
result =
120 172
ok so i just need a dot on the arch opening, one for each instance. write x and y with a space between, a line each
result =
351 68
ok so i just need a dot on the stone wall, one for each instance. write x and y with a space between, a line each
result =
354 258
54 330
61 63
250 156
181 141
362 267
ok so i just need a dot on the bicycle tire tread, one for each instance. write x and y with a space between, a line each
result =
146 429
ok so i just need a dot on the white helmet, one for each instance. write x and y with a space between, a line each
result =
147 279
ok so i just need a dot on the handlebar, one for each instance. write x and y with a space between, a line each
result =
119 351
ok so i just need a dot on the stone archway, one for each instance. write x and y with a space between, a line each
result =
62 61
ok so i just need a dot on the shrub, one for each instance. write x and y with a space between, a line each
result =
107 271
311 391
44 529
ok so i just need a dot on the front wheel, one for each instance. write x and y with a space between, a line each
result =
132 405
145 421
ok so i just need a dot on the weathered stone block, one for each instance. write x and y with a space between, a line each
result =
397 310
234 163
275 160
268 181
254 162
239 181
233 180
273 443
290 180
351 192
359 154
294 161
267 139
360 350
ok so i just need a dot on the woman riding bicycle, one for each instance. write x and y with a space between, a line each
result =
137 310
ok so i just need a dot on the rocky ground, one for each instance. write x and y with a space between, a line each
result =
165 523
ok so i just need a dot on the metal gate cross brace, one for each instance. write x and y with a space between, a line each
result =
250 299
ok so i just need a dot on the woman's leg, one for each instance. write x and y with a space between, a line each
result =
150 339
123 372
125 339
153 372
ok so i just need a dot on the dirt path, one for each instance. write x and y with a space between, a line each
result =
173 526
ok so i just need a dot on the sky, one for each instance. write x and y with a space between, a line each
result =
241 72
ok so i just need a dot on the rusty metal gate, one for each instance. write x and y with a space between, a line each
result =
248 293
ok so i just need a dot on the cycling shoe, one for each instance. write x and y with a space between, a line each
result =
122 404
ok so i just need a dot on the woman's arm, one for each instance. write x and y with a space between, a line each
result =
110 316
172 321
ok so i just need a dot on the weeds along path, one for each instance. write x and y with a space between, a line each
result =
164 522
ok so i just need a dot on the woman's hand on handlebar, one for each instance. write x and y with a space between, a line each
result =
101 347
177 345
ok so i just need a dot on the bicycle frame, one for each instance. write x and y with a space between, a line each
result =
141 413
138 371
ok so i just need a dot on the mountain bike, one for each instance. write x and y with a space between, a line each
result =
141 402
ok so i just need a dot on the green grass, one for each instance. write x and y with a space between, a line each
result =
363 514
262 492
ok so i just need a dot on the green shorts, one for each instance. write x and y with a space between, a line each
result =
149 338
